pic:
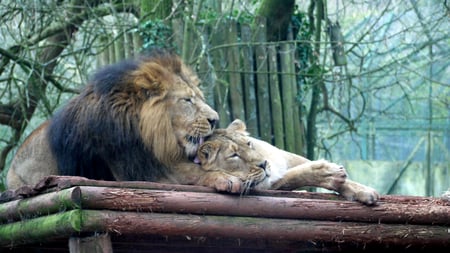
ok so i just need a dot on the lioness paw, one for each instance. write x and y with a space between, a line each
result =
332 175
228 184
338 175
368 197
357 192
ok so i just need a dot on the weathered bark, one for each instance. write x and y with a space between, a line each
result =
434 212
270 229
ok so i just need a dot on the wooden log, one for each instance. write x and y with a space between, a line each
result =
40 205
365 235
391 209
40 229
52 183
139 223
435 212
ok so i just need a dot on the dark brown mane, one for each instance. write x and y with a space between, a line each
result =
102 125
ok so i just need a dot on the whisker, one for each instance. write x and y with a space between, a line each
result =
247 185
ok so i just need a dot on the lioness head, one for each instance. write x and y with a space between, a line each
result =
176 119
230 151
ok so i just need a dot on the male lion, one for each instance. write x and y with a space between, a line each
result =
254 163
141 119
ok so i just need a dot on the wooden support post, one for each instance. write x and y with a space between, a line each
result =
100 243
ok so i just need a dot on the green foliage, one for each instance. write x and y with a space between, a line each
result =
302 33
155 33
210 16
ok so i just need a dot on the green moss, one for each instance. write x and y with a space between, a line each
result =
34 230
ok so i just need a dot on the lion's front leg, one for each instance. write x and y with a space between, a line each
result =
355 191
319 173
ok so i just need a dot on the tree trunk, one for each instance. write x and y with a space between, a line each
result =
317 80
278 15
52 41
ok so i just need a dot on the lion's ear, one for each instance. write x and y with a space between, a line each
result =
207 152
151 78
237 125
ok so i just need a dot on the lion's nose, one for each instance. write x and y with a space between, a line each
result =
212 123
263 165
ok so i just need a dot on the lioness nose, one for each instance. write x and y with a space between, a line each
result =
212 122
263 165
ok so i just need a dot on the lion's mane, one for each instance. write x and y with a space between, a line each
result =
119 119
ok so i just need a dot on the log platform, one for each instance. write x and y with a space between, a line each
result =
74 214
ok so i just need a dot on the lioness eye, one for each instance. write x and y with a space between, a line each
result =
234 155
188 100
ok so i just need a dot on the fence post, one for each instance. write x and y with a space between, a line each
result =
234 73
262 87
275 98
251 114
288 95
221 87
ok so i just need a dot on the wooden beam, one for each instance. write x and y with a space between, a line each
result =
41 229
98 243
141 200
363 234
359 235
39 205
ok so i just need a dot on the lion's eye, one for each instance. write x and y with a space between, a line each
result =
250 144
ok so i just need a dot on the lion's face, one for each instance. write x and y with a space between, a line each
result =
174 120
232 152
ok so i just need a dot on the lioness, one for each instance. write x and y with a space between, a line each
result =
254 163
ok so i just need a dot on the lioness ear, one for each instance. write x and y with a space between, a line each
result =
207 152
237 125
